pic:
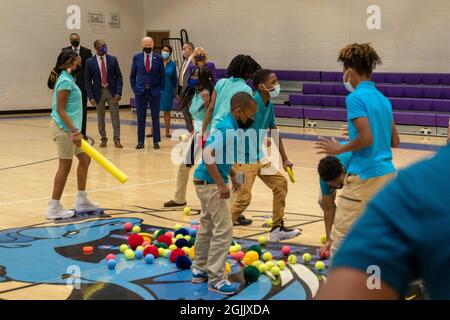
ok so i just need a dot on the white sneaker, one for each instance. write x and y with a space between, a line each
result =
82 203
56 211
282 233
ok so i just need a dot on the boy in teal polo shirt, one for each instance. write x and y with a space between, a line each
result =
211 183
371 134
252 161
332 171
402 234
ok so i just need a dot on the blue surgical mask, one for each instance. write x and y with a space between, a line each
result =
347 84
165 55
193 83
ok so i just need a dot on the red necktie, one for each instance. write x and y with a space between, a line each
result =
104 77
147 64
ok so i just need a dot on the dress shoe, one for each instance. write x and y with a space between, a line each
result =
156 146
118 145
103 144
140 146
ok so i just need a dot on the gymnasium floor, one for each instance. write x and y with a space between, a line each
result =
37 256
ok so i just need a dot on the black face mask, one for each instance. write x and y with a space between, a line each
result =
148 50
245 125
76 71
75 43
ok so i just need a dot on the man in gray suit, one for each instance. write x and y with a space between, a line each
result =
188 50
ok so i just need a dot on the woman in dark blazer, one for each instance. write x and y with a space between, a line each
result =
200 59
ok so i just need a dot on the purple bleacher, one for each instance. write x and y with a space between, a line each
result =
288 112
392 91
311 100
378 77
310 88
326 89
432 93
442 120
296 99
421 104
445 93
325 114
430 78
415 118
341 102
441 105
311 75
340 90
394 78
445 78
221 73
329 101
330 76
401 104
412 78
413 92
283 74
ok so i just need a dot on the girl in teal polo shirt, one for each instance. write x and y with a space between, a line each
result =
65 124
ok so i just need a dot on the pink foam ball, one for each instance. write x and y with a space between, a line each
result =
240 255
127 227
286 250
145 243
169 234
110 257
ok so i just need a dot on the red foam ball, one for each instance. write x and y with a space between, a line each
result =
165 239
169 234
286 250
151 250
127 226
135 241
110 257
175 254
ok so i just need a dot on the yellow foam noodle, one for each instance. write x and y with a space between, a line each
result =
290 174
103 162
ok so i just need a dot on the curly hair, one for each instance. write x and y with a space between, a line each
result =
330 168
361 57
65 60
243 66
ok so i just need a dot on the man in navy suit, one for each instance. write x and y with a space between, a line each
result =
147 82
103 82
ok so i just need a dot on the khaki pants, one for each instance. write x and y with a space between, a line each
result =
114 111
215 234
182 181
352 203
63 139
276 182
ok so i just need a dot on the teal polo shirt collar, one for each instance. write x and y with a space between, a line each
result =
365 84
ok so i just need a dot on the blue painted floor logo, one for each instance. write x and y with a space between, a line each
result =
54 255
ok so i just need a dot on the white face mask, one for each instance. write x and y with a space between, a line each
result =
347 84
275 92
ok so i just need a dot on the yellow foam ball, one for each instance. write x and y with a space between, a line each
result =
263 268
227 267
234 249
185 249
267 256
257 263
320 265
136 229
269 265
172 247
187 238
275 271
292 259
192 253
123 247
177 227
323 239
281 264
140 248
306 257
179 236
262 241
187 211
238 247
161 252
250 257
129 254
269 223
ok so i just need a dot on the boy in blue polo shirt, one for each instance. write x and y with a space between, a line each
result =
403 234
371 134
253 162
211 184
332 171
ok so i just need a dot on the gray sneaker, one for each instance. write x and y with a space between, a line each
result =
57 211
281 233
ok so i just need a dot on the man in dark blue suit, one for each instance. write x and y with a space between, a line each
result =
147 82
103 82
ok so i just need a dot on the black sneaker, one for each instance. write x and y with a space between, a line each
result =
278 234
171 204
243 221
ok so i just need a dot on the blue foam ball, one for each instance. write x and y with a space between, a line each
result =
182 231
111 263
139 254
194 223
183 262
149 259
193 232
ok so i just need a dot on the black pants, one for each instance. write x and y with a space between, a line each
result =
84 102
186 114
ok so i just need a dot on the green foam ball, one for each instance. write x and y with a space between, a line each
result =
251 274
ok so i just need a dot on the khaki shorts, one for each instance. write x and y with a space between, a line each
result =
65 148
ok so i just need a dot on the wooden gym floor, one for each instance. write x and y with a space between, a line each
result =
28 164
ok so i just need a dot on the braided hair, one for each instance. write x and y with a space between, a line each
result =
361 57
65 60
243 66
